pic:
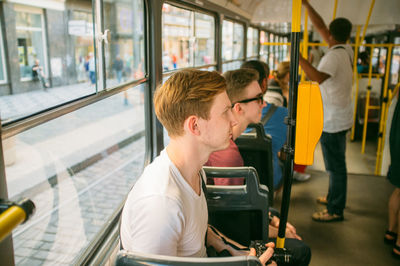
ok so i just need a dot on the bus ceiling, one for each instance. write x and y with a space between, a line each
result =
384 16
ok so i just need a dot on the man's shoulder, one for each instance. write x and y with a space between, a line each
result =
155 179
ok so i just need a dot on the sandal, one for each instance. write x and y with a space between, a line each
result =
396 251
322 200
390 237
324 216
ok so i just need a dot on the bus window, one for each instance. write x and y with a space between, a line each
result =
205 39
188 38
77 169
124 55
232 45
50 57
252 43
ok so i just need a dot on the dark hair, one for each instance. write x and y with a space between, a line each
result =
340 28
237 81
364 57
259 67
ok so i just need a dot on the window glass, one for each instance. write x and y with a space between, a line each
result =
238 36
232 41
252 42
177 41
264 48
227 40
271 58
204 45
56 57
188 38
124 55
2 63
395 64
77 169
231 65
285 50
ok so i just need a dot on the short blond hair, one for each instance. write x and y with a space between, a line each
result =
237 81
187 92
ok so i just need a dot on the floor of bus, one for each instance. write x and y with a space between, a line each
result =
358 240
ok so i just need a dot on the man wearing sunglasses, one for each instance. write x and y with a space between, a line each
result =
247 103
245 93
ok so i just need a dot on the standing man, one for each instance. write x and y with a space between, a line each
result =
334 74
166 211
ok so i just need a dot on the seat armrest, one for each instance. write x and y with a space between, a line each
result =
126 258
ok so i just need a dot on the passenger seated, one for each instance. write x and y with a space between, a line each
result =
247 103
275 126
166 211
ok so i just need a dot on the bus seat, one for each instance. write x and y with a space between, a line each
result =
239 212
256 150
125 258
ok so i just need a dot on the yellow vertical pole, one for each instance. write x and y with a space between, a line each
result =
334 10
292 112
367 101
385 105
367 22
355 78
305 42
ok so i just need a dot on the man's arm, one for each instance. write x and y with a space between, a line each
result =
311 72
317 21
214 239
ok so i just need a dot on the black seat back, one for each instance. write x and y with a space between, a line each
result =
256 150
240 212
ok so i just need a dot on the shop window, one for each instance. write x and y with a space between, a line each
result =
31 43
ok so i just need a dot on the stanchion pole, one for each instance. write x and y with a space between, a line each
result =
355 78
382 122
291 121
369 88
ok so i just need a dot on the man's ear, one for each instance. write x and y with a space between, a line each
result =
265 85
237 108
191 125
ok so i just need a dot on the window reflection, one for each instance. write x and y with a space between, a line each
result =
77 169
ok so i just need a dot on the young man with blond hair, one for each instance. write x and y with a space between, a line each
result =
166 211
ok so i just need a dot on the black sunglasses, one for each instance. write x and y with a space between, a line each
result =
259 98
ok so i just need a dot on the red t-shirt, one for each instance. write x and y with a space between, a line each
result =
230 157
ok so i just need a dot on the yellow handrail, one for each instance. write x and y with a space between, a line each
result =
367 22
305 43
334 10
364 137
355 77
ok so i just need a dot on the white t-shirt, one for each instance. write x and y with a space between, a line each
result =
163 215
336 90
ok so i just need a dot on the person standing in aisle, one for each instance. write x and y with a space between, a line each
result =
334 74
